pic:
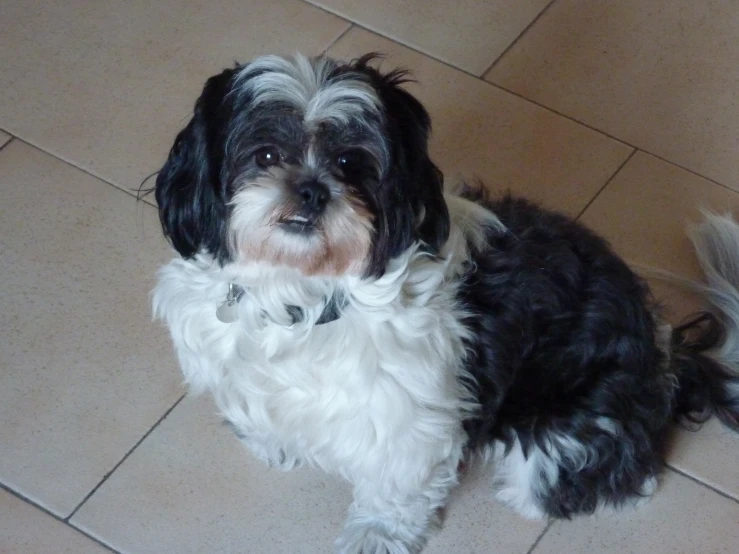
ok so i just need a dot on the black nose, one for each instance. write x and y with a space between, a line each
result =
315 195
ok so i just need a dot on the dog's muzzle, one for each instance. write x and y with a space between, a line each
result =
312 197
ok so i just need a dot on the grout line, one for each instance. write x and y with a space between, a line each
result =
713 181
605 134
135 446
703 483
2 146
608 181
541 536
130 192
56 517
338 38
561 114
360 25
515 40
147 200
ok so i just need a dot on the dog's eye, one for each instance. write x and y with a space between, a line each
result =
267 156
350 162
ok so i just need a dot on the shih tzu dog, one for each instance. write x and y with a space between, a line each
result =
348 314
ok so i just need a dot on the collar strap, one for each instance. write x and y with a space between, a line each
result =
331 312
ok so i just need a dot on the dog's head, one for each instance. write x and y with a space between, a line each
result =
313 164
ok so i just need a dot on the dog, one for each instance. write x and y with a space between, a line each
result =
349 314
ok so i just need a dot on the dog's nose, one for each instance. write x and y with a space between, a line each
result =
315 195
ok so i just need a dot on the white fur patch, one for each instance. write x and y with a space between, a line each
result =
518 479
306 85
472 219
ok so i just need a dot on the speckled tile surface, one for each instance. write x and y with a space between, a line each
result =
26 529
79 386
469 34
661 75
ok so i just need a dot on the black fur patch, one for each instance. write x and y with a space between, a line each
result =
563 336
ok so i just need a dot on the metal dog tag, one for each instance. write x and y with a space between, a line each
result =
228 310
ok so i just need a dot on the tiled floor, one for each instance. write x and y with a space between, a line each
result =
624 112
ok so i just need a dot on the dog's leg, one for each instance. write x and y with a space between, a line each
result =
398 514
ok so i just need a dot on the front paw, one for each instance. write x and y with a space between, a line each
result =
369 539
266 450
273 456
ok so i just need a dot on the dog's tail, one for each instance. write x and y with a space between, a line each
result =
705 350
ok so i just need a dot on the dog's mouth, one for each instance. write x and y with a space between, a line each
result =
298 224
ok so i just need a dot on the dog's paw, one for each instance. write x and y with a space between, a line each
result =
267 451
371 540
273 456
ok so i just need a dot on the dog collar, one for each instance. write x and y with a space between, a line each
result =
227 311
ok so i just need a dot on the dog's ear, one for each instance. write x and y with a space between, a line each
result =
189 188
417 184
433 219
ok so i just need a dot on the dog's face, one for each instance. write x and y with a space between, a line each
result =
316 165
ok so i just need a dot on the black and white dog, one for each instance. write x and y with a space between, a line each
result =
347 314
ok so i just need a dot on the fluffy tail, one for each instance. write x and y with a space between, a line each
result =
705 353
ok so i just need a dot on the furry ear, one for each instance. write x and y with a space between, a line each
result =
190 190
419 210
412 128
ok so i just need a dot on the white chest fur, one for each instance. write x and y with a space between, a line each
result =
384 375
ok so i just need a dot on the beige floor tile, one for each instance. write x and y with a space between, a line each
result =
26 529
710 455
469 34
661 75
508 142
682 518
4 137
215 496
644 212
107 84
77 386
